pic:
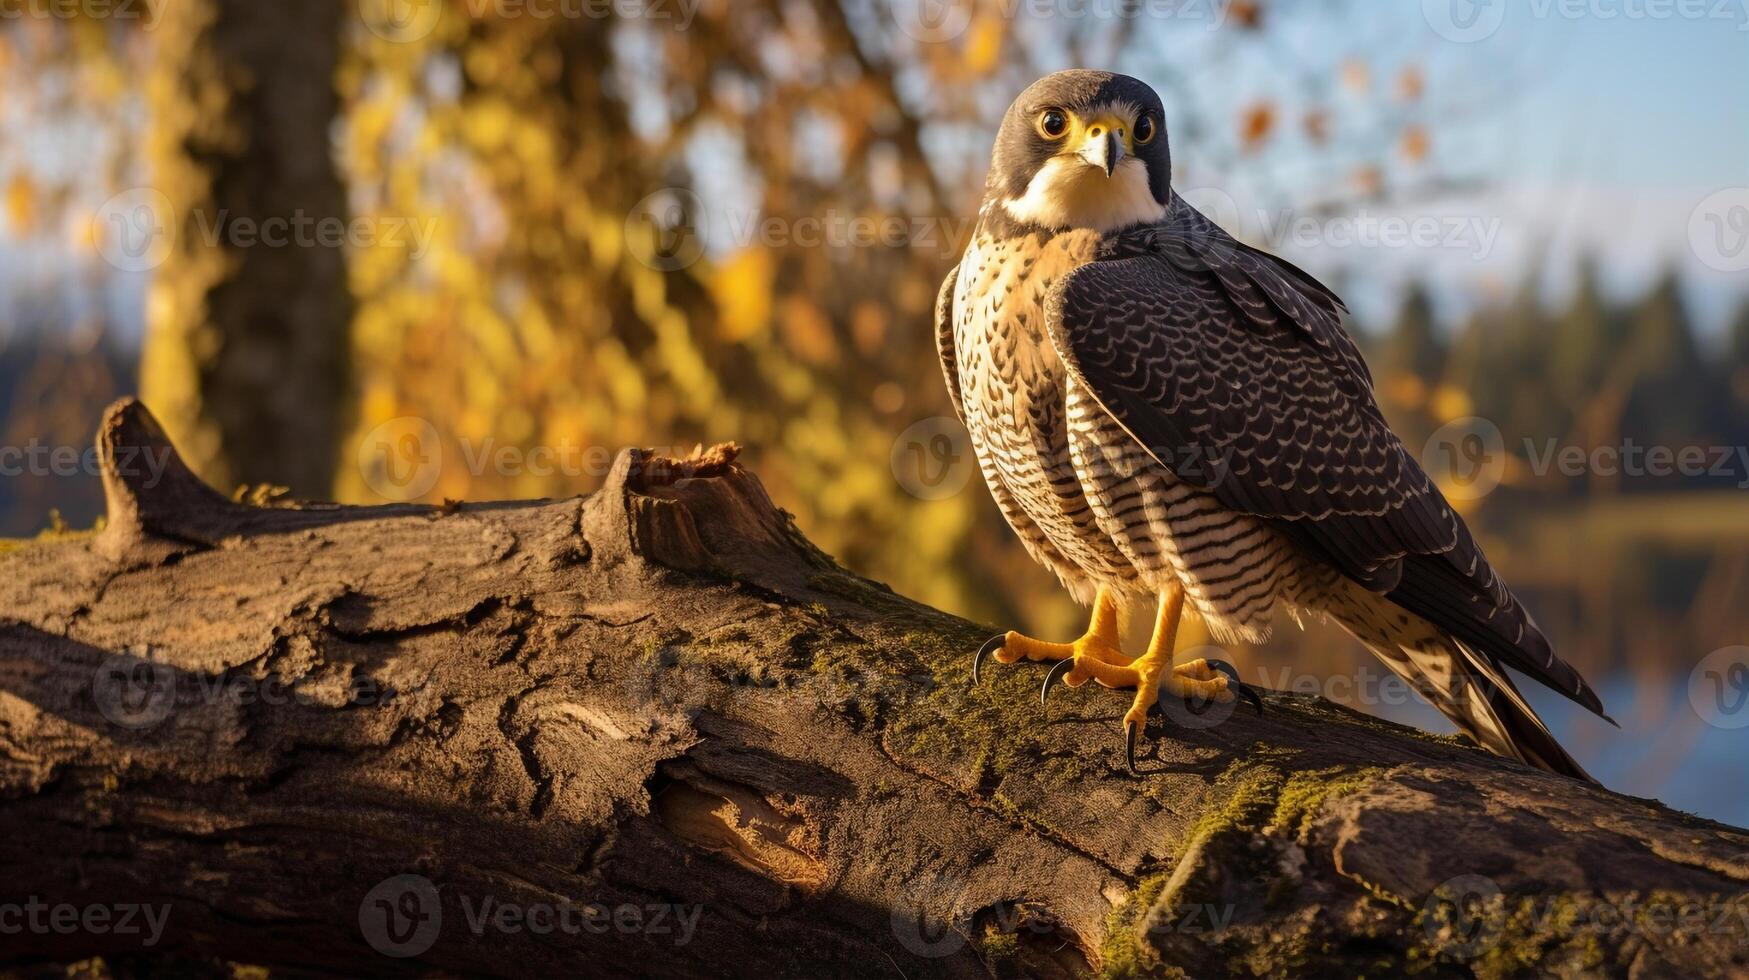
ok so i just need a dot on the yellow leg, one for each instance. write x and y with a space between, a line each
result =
1096 657
1098 644
1153 669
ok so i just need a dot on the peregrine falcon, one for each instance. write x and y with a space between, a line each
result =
1162 411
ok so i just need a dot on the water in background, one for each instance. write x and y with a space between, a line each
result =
1664 749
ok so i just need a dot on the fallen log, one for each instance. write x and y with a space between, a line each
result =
654 731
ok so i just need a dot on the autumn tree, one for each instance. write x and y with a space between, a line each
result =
246 342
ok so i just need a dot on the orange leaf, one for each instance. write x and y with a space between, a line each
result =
1255 124
807 331
1410 84
1416 143
1369 180
1356 76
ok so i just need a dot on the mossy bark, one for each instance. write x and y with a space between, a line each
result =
662 695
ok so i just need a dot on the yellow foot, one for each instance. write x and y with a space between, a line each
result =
1097 645
1198 682
1097 657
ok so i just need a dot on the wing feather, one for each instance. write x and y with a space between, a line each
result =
1231 367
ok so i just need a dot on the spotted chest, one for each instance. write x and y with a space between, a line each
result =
1014 388
1085 499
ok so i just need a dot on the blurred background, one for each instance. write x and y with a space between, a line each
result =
422 249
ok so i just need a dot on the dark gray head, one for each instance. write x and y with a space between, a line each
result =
1083 149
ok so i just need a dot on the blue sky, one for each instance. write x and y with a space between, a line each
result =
1592 133
1660 102
1614 130
1592 126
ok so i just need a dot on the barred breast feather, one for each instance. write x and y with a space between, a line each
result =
1166 406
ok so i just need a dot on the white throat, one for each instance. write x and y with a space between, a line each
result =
1067 193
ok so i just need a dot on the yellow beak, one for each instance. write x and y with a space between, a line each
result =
1101 145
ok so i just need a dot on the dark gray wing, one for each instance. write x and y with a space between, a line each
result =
1232 369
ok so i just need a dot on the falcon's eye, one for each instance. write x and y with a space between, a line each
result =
1145 130
1053 123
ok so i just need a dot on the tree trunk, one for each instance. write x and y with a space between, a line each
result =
248 335
656 732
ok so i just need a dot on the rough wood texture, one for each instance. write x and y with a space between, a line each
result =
661 698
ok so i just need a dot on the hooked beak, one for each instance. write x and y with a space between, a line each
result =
1103 151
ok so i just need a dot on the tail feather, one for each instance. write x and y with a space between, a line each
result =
1501 721
1468 687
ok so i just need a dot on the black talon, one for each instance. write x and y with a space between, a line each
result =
1129 746
1058 669
990 646
1241 689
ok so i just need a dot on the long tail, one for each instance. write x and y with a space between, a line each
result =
1469 687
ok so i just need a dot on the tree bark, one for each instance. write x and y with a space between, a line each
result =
654 731
248 342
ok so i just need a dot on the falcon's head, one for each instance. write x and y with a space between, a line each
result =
1083 149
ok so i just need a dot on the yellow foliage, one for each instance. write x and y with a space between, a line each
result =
742 286
21 205
1449 402
807 331
1405 390
984 42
